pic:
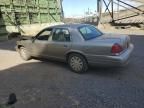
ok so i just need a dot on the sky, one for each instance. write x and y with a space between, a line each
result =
79 7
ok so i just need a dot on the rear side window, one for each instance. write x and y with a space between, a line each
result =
61 35
89 32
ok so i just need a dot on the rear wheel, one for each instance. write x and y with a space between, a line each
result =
24 54
77 63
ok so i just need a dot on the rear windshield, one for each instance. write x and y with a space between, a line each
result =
89 32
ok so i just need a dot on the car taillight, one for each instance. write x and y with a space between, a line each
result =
116 49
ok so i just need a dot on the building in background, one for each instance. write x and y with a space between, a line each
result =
28 16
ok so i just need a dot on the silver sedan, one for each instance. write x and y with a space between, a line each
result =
79 45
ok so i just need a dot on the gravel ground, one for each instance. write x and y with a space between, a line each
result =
47 84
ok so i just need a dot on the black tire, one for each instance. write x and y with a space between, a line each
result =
24 54
77 63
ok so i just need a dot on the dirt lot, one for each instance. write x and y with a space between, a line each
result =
47 84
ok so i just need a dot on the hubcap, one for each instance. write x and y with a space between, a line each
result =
76 63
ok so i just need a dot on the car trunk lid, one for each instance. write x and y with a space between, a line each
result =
122 40
103 44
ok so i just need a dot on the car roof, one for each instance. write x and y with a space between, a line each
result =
67 26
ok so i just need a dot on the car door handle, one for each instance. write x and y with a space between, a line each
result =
65 46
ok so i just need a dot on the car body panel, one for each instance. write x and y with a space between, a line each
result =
105 60
58 49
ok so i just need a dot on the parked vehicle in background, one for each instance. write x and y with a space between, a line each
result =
79 45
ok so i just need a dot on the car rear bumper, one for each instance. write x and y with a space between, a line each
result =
120 60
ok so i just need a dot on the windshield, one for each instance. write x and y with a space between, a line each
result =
89 32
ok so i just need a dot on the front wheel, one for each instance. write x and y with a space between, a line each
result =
24 54
77 63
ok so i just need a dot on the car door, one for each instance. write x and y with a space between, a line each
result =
60 43
40 43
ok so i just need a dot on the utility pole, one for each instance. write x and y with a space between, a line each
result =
112 6
99 11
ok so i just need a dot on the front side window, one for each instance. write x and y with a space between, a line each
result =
44 35
61 35
89 32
